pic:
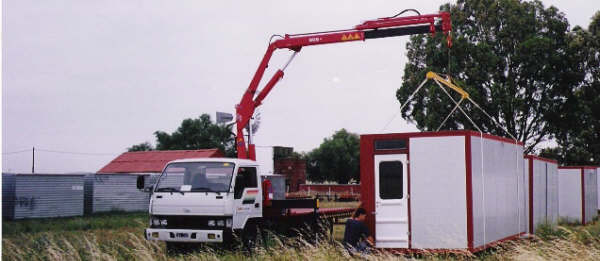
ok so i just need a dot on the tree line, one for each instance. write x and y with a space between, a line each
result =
520 61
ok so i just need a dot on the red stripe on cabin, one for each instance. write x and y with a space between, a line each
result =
531 195
541 159
469 193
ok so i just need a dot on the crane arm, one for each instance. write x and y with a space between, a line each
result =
379 28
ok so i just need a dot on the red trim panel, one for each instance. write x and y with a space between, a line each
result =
577 167
541 159
367 181
469 192
451 251
582 196
495 243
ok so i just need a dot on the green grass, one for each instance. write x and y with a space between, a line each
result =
118 236
109 220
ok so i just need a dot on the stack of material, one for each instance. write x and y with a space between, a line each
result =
578 193
542 191
41 195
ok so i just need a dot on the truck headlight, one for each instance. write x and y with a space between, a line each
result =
221 223
163 222
229 222
211 223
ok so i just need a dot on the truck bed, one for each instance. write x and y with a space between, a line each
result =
323 212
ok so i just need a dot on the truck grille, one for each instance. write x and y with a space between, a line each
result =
190 222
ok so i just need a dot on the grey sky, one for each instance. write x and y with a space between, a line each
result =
100 76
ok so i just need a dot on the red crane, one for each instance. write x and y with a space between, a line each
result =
379 28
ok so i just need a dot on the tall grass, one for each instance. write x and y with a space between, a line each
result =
122 239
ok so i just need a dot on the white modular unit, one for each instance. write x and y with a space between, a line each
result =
598 188
463 190
578 193
542 191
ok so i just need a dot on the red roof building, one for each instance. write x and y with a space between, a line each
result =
153 161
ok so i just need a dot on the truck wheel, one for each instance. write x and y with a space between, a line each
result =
249 236
175 248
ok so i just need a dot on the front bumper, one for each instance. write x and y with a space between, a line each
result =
185 235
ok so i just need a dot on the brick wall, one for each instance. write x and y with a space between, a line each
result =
294 170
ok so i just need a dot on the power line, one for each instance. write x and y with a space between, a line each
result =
15 152
78 153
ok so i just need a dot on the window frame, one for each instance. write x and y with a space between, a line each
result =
384 180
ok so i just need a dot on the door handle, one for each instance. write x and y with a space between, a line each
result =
256 205
158 196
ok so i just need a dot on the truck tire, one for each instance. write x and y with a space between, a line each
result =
250 236
174 248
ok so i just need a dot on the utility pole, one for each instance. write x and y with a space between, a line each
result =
33 160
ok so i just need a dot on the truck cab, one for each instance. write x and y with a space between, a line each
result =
204 200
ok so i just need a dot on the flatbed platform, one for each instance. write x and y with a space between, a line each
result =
324 212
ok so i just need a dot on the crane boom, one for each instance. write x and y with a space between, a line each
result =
379 28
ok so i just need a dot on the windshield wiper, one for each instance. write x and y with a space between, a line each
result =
201 189
167 189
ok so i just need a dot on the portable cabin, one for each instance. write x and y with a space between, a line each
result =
41 195
542 191
577 193
449 190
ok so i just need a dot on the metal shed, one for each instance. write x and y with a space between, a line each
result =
578 193
116 192
41 195
542 191
449 190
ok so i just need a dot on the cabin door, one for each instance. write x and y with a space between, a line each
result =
391 201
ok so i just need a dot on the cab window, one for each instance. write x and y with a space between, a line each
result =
245 178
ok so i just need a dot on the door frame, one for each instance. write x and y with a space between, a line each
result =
407 191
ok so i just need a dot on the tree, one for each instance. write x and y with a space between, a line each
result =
336 159
512 57
144 146
576 125
200 133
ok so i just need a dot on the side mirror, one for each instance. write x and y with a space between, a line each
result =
141 181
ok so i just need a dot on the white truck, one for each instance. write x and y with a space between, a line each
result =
208 200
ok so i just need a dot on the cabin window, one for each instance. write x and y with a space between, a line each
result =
391 180
246 178
390 144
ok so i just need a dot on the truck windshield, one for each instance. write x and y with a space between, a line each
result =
196 177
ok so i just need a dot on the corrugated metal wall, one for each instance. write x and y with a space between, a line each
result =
8 195
116 192
498 190
591 194
43 195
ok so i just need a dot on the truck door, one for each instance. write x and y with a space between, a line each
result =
247 196
391 201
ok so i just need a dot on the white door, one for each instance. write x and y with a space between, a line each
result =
247 196
391 201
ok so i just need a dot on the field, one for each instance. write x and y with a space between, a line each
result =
118 236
